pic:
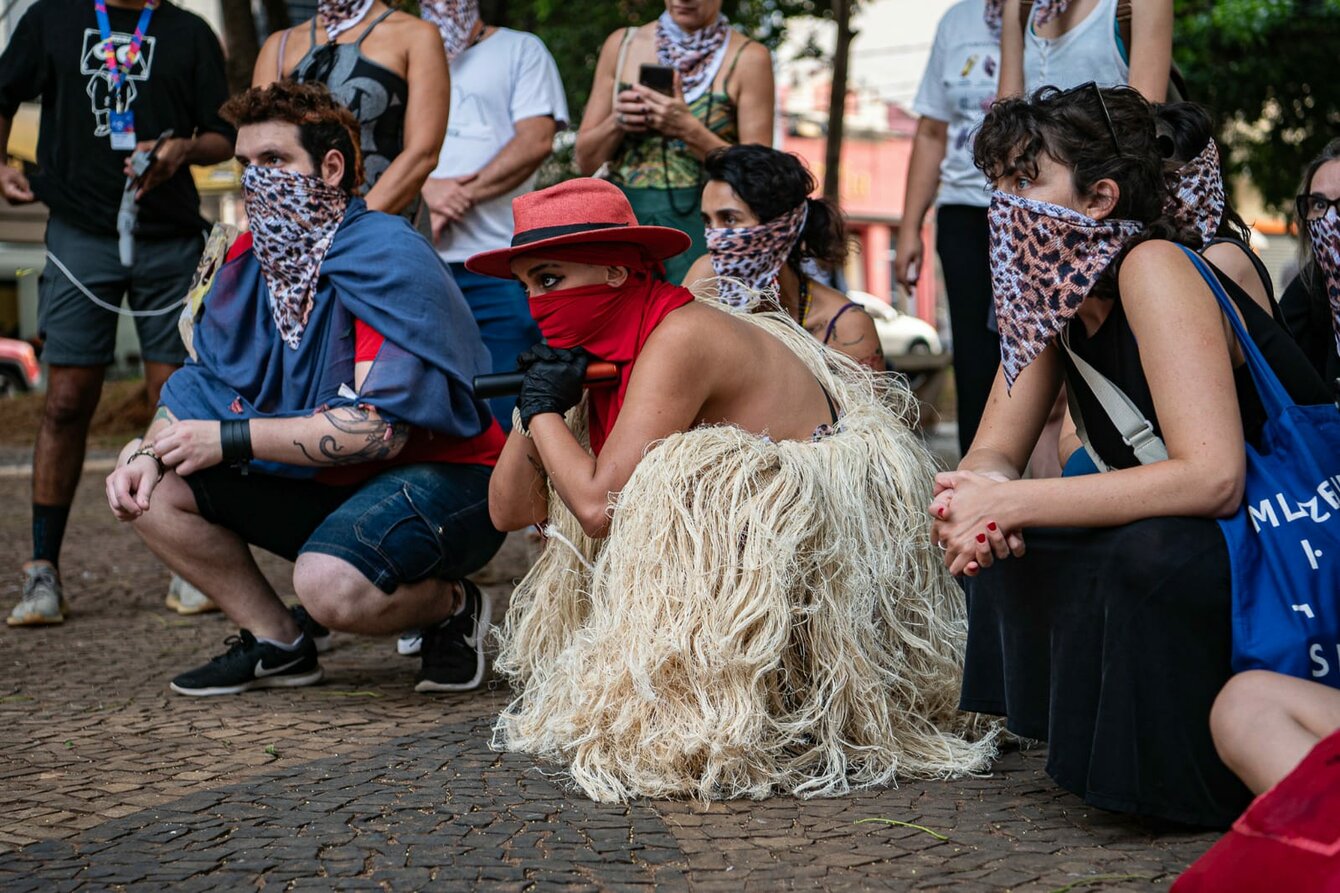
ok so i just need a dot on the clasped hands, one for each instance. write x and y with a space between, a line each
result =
183 446
966 512
640 109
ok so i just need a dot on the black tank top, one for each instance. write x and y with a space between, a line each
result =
375 94
1112 350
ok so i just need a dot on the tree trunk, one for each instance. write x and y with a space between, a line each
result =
837 100
239 42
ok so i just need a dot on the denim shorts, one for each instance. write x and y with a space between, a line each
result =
409 523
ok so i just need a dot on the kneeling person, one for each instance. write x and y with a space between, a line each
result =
328 418
737 597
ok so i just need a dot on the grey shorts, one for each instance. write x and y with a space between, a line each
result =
78 332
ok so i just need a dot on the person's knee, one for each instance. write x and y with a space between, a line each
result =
333 591
1239 709
71 405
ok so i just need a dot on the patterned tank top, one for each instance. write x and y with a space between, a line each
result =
375 94
652 161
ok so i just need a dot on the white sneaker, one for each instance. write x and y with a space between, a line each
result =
43 601
410 643
185 599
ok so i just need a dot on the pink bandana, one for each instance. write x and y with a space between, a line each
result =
1325 235
455 21
1196 195
753 255
1045 259
1043 12
293 220
697 56
338 16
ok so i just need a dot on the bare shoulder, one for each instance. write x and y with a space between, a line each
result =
1148 264
754 54
700 270
690 325
419 30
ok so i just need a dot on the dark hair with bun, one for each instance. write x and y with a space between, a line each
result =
1183 129
772 183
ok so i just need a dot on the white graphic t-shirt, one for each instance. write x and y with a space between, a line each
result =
958 88
507 77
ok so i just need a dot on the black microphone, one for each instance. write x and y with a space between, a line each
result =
508 384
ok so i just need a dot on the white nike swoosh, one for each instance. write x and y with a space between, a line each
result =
473 639
262 670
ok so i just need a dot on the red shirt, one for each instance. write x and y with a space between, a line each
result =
423 445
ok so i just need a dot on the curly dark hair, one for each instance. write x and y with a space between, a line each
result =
323 123
1070 127
772 183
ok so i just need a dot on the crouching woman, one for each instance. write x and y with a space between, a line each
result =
739 595
1110 637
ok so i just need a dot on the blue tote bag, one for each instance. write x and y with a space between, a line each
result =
1284 541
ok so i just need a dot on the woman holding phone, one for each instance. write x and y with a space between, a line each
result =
665 94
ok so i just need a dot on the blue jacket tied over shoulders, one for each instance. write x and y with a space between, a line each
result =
378 270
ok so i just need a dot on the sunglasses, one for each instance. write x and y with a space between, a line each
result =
1102 104
1314 206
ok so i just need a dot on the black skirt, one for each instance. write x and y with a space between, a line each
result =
1111 644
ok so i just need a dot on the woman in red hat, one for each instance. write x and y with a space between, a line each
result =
738 596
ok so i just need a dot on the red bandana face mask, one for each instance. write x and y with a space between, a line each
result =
612 323
753 255
1045 260
293 219
455 21
1196 195
338 16
1325 236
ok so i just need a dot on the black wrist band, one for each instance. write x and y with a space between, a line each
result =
235 440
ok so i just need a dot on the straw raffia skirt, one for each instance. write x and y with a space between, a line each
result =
762 618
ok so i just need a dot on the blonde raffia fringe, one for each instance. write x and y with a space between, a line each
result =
763 617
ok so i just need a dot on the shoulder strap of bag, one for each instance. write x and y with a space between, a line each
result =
618 65
1274 398
1136 430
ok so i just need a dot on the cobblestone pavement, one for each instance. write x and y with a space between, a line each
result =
109 781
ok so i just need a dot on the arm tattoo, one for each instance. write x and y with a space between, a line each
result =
162 413
362 436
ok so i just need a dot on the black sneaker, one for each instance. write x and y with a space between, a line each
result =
251 664
319 635
453 651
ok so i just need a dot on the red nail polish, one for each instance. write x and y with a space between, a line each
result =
991 526
981 537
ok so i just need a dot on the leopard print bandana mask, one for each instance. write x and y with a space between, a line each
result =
1045 259
1045 11
697 56
1196 195
293 220
455 21
1325 236
748 258
338 16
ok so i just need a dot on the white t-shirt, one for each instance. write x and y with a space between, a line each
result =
506 77
958 88
1087 52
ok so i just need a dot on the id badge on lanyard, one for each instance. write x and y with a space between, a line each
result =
120 117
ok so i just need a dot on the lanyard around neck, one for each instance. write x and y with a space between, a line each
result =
116 71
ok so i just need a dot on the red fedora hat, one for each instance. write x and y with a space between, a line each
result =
573 213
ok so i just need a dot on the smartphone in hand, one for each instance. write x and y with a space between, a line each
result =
660 78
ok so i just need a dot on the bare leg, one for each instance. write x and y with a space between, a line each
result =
206 554
58 457
155 374
1265 723
338 595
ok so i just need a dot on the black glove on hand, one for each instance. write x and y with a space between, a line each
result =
553 382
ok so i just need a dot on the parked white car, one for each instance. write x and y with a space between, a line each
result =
900 334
